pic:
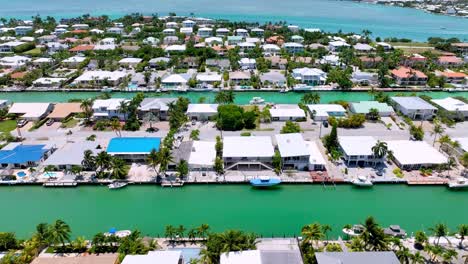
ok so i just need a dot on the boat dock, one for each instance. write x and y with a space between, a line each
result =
60 184
172 184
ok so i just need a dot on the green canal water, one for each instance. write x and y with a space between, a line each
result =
241 97
281 211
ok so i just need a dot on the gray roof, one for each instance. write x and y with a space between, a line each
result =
72 153
224 63
281 256
156 103
273 77
182 152
383 257
413 102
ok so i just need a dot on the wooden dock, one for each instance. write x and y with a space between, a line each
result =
60 184
172 184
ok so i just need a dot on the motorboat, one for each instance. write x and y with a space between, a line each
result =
117 185
355 230
257 101
264 181
395 231
459 183
118 233
362 181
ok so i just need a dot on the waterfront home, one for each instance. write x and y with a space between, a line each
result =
71 154
317 161
14 61
287 112
385 46
169 32
309 76
241 257
10 46
449 61
133 62
363 48
364 107
205 79
19 155
108 108
133 149
247 64
454 107
293 28
246 46
277 62
202 112
100 78
81 48
414 60
205 32
63 111
73 62
384 257
407 76
31 111
49 82
172 25
115 30
188 23
239 77
76 259
169 40
452 76
270 49
187 31
293 47
222 32
414 107
273 77
175 80
364 78
80 26
357 150
234 40
221 64
159 107
159 63
370 62
166 257
247 153
175 48
293 150
241 32
202 156
338 45
22 30
321 112
413 155
461 47
331 59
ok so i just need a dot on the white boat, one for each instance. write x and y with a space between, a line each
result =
257 101
459 183
117 185
362 181
118 233
265 181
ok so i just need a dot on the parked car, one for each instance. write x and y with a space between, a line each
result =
325 123
21 123
50 122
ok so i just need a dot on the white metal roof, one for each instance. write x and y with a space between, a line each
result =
130 60
287 112
415 152
203 154
463 143
451 104
254 146
316 156
241 257
71 153
109 104
324 109
413 102
357 145
166 257
291 145
202 108
101 75
174 78
31 110
204 77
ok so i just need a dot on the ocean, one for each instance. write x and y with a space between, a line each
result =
328 15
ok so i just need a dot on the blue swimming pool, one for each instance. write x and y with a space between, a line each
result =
132 86
188 253
21 174
133 145
49 174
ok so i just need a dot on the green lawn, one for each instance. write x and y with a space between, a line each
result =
33 52
70 123
7 126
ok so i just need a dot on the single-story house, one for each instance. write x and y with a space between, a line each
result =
63 110
321 112
241 257
157 62
42 61
245 153
10 46
208 78
247 64
357 150
133 149
31 111
413 155
18 155
286 112
364 78
202 111
107 78
218 63
166 257
48 82
273 77
238 77
73 61
414 107
364 107
317 161
383 257
130 61
157 106
455 107
175 80
71 154
78 259
203 155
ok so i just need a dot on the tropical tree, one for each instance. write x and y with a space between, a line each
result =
165 157
420 238
357 244
87 107
124 108
42 235
444 140
192 234
116 126
448 255
219 166
437 130
153 159
417 258
59 232
325 230
462 232
195 134
150 118
373 114
170 232
438 231
202 230
182 168
225 97
312 233
404 255
310 98
374 237
89 161
103 161
180 231
379 150
119 169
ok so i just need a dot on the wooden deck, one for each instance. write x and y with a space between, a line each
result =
60 184
172 184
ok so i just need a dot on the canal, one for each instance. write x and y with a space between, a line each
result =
241 97
278 212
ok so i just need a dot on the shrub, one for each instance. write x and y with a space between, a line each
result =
398 173
290 127
246 134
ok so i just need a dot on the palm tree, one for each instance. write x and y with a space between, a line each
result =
150 118
192 233
89 161
60 232
403 255
119 168
180 231
170 232
42 234
445 139
448 255
165 157
87 107
417 258
440 230
123 108
437 130
202 230
380 149
311 98
462 232
103 161
153 159
325 230
357 244
116 126
450 164
312 233
374 236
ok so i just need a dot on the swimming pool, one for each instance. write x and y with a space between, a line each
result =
21 174
49 174
188 253
132 86
134 145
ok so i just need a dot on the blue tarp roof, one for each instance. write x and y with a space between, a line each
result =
133 144
22 154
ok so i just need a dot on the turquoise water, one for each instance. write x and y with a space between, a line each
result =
329 15
280 211
129 144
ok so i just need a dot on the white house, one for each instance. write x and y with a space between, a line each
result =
80 26
169 32
31 111
357 150
384 45
213 40
309 76
364 78
331 59
73 61
164 256
293 150
49 82
257 32
242 32
175 80
109 78
242 257
133 62
297 39
246 153
271 49
205 32
9 46
247 64
108 108
245 46
175 48
317 161
14 61
22 30
203 155
293 47
413 155
456 108
205 79
115 30
172 25
287 112
293 28
222 32
414 107
186 30
202 112
188 23
363 48
322 112
337 45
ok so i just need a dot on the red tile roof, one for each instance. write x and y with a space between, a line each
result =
18 75
449 59
453 74
82 48
404 72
